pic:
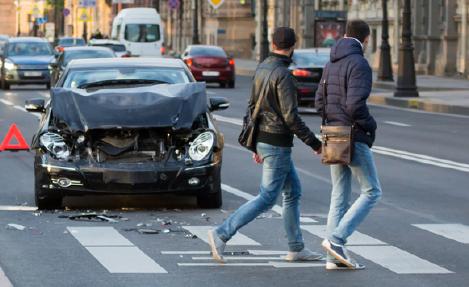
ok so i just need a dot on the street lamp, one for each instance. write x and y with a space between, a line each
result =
18 16
385 68
195 23
406 86
264 52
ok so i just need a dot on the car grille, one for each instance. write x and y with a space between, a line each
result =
33 67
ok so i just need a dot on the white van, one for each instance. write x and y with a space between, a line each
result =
140 30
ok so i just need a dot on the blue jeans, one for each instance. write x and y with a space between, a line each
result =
343 219
278 175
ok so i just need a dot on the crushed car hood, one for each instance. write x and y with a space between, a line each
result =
164 105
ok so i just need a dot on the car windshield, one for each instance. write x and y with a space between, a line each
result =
71 42
142 32
29 49
79 77
114 47
310 59
86 54
207 52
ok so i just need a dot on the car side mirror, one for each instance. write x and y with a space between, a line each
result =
218 104
35 105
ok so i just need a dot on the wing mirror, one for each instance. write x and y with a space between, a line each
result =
35 106
218 104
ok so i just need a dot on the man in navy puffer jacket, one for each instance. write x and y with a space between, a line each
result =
348 81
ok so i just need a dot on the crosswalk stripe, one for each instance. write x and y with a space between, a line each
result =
114 251
379 252
229 258
398 260
238 239
457 232
357 238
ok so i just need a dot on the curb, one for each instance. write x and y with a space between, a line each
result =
392 86
419 104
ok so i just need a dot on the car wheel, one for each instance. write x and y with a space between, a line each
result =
231 84
46 201
211 197
222 85
5 85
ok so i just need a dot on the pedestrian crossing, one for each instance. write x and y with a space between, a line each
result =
118 255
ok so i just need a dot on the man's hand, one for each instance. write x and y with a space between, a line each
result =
318 151
257 159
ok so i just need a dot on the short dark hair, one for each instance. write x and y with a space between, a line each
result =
358 29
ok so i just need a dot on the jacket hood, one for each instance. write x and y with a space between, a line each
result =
157 106
345 47
31 60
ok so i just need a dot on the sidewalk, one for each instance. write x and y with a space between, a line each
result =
436 94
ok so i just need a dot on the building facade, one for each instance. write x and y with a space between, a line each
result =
8 17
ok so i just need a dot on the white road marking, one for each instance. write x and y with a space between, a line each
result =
252 252
228 258
4 281
379 252
397 124
307 220
114 251
6 102
211 93
392 153
357 238
186 252
296 264
17 208
267 252
457 232
223 264
238 239
398 260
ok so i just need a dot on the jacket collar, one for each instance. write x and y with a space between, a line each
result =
277 57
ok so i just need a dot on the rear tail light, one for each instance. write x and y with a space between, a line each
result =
189 62
126 55
302 73
231 62
163 50
59 49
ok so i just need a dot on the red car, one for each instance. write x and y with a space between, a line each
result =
210 64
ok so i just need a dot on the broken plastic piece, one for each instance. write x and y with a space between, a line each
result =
16 226
148 231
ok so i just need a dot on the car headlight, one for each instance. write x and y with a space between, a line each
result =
9 65
201 146
55 144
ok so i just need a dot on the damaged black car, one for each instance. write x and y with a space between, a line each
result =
127 126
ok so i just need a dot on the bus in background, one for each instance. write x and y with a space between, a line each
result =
140 30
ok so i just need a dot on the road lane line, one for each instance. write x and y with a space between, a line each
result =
267 252
114 251
398 260
239 239
295 264
17 208
228 258
381 253
457 232
397 124
6 102
234 121
357 238
185 252
4 281
223 264
420 158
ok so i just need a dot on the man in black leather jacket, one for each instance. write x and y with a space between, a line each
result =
279 121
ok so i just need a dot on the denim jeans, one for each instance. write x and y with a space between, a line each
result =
278 175
343 219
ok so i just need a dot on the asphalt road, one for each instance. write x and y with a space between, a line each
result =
418 235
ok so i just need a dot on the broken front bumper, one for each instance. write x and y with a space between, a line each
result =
83 177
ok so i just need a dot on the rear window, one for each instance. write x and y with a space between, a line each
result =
114 47
310 59
207 51
142 33
72 42
86 54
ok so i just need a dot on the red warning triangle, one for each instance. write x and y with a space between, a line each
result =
14 132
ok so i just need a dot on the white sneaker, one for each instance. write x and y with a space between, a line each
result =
303 255
216 245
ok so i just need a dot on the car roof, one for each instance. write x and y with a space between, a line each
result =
86 48
66 38
126 62
104 41
205 47
27 39
314 50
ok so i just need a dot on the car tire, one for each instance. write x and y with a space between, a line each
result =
231 84
5 85
45 201
211 197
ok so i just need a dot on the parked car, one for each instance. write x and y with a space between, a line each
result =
74 53
140 30
210 64
116 46
65 42
127 126
26 60
307 68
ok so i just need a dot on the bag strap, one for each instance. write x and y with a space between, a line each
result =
257 108
324 94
